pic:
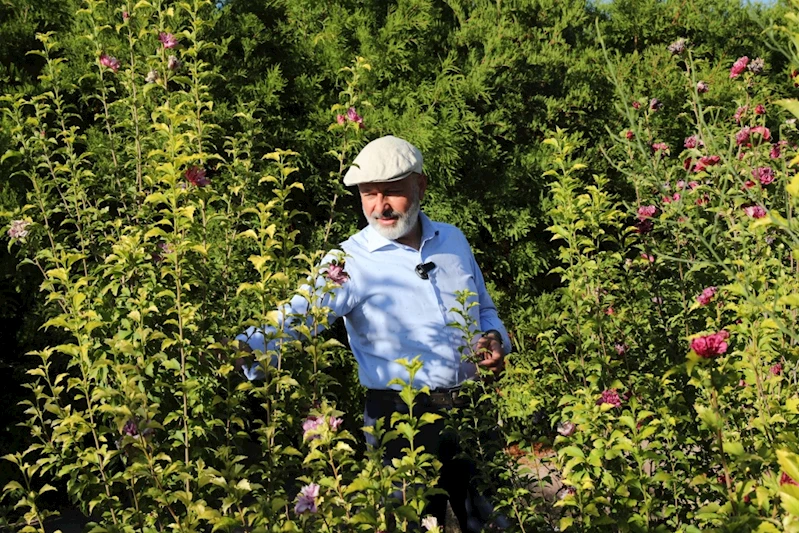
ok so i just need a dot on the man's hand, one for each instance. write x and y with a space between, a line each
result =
489 347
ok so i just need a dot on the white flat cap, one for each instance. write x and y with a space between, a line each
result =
388 158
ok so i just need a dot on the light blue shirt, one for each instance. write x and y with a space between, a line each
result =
390 312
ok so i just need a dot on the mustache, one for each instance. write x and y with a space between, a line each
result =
385 214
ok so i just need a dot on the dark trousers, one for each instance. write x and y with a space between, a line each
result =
457 473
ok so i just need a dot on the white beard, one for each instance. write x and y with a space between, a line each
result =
404 224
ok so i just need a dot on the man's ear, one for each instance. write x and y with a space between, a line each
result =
422 185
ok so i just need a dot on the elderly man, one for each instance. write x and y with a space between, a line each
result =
397 290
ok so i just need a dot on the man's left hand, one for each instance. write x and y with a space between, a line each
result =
490 348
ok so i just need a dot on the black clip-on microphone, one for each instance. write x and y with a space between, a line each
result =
422 269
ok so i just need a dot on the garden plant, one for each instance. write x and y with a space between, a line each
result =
653 386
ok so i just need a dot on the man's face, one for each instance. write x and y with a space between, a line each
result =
393 208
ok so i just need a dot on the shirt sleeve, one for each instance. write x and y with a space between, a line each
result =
489 318
333 289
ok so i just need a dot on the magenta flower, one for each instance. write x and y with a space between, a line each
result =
785 479
610 397
130 429
335 423
676 197
763 131
706 296
645 211
709 346
693 141
754 211
353 116
341 119
760 109
168 40
742 137
702 87
307 499
311 427
739 113
660 147
630 135
706 161
763 174
335 273
636 105
18 229
196 176
776 370
566 428
738 67
110 62
775 151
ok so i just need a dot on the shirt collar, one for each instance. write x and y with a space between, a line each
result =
375 241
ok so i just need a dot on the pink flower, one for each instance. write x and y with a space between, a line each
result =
693 185
676 197
709 346
168 40
307 500
655 104
636 105
763 174
742 137
609 311
706 296
629 135
776 370
738 67
658 147
645 211
125 15
748 184
693 141
18 229
680 184
739 113
775 151
566 428
109 62
701 87
706 161
702 200
785 479
335 273
610 397
311 427
196 176
762 131
335 423
620 348
353 116
760 109
341 119
755 211
648 257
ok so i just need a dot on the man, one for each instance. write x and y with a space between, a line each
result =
397 291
